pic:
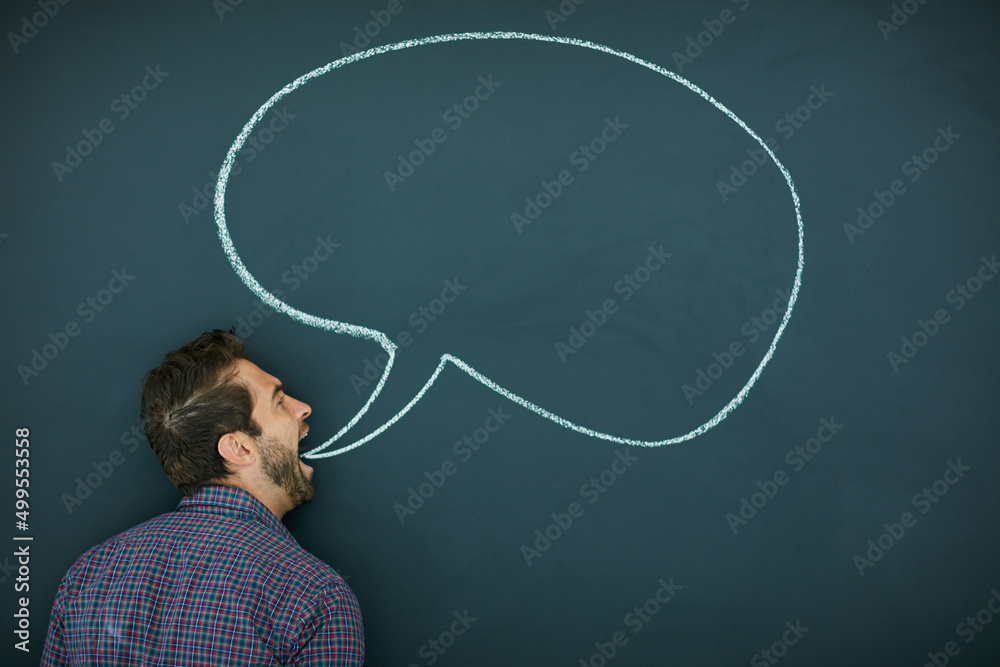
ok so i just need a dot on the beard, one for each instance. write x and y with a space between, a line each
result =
284 470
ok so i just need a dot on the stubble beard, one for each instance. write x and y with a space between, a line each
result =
283 469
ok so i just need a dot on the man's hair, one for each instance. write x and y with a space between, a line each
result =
189 402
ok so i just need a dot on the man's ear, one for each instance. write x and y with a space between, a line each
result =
237 449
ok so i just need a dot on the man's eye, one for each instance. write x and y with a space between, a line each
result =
281 399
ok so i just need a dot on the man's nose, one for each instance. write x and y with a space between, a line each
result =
303 410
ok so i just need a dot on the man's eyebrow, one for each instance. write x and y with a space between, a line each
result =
278 388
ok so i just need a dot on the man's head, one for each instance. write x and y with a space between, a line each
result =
212 417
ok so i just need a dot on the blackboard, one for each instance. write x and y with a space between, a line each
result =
534 195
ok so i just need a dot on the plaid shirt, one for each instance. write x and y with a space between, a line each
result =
218 581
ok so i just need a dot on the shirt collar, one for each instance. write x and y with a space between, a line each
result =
233 499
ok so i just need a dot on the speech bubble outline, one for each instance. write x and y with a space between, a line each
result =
390 348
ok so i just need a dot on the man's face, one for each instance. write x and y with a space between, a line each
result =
281 419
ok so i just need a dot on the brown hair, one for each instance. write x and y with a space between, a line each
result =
189 402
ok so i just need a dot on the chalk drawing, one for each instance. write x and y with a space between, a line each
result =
390 347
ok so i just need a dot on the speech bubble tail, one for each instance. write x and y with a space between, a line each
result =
315 452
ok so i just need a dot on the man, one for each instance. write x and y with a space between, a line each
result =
220 580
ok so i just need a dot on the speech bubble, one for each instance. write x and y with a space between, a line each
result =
361 332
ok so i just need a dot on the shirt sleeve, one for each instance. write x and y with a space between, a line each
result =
54 652
335 634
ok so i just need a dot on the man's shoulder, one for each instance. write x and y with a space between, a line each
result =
256 549
138 531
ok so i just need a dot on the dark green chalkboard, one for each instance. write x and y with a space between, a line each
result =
588 234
